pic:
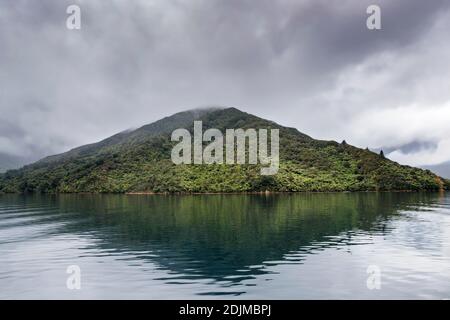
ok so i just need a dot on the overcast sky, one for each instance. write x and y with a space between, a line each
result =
310 64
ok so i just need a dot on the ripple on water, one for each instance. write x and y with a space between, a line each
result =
282 246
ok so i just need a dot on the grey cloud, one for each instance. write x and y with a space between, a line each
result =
413 147
311 64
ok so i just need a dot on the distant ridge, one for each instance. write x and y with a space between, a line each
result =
442 169
139 161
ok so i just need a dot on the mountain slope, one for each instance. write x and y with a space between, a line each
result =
139 161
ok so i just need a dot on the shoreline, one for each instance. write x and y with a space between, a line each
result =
137 193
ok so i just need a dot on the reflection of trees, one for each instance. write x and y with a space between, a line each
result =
213 236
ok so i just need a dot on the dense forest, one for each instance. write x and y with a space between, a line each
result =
140 161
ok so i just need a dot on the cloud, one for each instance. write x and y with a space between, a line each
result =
311 64
423 157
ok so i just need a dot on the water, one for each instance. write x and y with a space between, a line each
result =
291 246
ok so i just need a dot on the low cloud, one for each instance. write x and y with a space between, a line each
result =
311 64
423 157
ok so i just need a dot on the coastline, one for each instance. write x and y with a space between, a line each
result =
137 193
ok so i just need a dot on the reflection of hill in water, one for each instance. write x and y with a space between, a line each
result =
218 236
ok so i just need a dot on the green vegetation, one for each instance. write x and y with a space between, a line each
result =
139 161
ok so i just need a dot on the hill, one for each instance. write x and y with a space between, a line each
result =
139 161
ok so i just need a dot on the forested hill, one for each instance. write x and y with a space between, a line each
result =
139 161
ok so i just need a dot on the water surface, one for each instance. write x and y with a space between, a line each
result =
291 246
